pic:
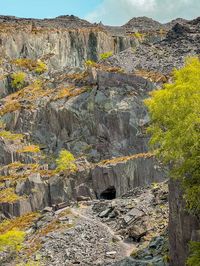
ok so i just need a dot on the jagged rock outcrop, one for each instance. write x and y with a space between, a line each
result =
95 111
183 226
142 24
115 178
104 121
181 41
106 180
64 41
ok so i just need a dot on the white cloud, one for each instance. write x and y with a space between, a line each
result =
118 12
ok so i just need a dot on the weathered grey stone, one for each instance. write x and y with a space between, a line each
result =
182 225
105 213
18 208
133 215
124 176
136 232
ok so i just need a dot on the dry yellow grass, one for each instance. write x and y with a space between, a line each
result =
9 195
20 223
68 93
10 136
29 95
152 76
9 107
125 158
106 68
29 148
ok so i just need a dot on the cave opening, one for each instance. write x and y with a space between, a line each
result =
108 194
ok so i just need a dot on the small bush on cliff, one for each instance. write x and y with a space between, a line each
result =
139 36
41 67
65 161
105 55
90 63
18 80
11 240
194 258
175 129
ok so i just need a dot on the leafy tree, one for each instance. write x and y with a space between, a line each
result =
65 161
175 128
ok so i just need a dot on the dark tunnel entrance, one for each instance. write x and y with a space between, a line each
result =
108 194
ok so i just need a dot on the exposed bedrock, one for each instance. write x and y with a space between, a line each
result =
115 179
106 121
61 48
183 227
9 154
107 181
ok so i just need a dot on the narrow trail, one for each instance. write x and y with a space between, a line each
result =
126 248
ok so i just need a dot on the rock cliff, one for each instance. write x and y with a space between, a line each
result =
64 41
58 92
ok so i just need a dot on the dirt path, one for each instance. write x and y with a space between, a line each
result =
126 248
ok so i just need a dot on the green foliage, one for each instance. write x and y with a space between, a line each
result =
12 240
41 67
65 161
90 63
105 55
37 66
175 128
18 80
10 136
194 258
139 36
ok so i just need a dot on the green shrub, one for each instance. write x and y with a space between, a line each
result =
41 67
139 36
11 240
90 63
37 66
194 258
105 55
18 80
65 161
10 136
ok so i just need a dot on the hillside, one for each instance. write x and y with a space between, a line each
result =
67 84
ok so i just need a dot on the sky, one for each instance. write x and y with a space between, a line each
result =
111 12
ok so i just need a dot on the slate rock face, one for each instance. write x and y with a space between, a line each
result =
64 41
126 175
183 227
182 40
106 121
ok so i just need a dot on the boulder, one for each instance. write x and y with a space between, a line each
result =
133 215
